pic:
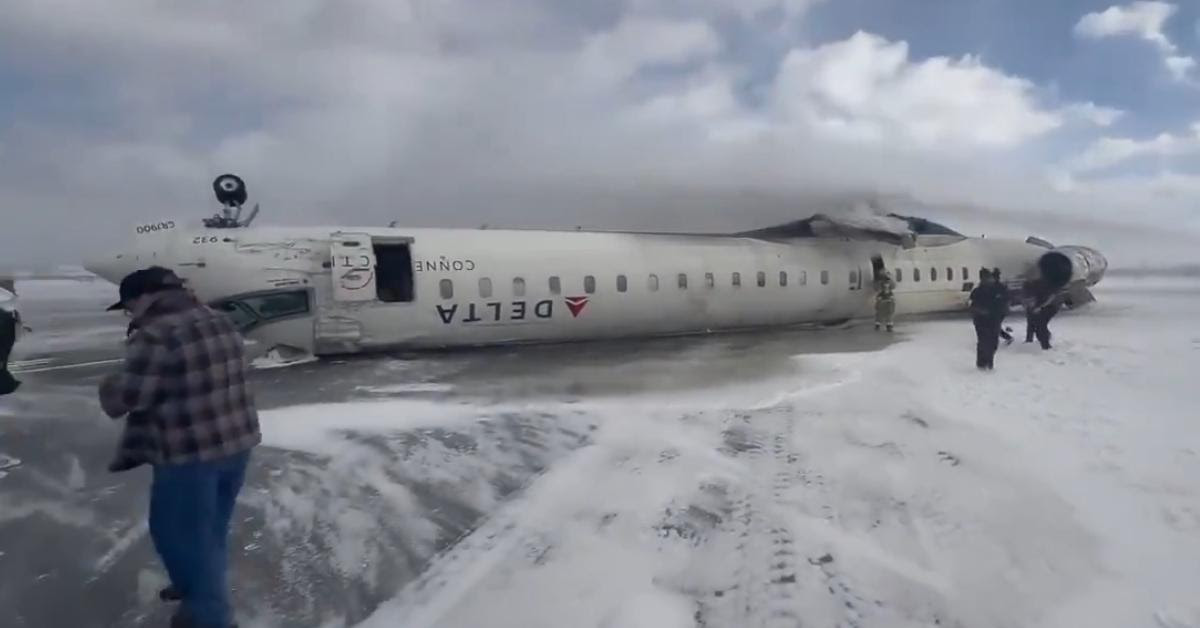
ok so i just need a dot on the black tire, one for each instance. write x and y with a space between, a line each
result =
230 189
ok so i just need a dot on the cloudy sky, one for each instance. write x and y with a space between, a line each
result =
1074 119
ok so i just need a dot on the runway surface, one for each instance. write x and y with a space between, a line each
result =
817 478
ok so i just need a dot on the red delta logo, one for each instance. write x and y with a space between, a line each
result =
576 305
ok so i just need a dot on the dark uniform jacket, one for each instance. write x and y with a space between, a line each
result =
183 387
1044 296
989 300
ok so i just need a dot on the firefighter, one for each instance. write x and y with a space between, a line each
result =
885 299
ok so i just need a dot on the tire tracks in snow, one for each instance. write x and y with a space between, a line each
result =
789 541
773 583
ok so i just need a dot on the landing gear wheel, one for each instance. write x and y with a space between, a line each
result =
230 190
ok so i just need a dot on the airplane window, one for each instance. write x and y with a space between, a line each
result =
949 274
241 315
622 283
278 305
682 281
762 279
710 281
589 284
555 285
518 287
249 311
653 283
485 288
803 278
932 274
737 280
783 278
916 274
447 288
824 277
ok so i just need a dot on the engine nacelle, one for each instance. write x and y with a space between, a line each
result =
1067 265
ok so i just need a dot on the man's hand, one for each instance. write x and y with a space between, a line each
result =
110 396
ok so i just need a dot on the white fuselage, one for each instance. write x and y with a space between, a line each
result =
333 291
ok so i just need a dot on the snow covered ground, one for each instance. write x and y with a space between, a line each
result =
894 488
815 478
898 487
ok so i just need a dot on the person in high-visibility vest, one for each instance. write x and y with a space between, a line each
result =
885 300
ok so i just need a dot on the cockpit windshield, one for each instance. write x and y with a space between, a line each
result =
249 311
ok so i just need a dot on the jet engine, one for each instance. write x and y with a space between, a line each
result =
1073 269
1066 265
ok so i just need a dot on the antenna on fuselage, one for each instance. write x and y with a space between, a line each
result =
231 194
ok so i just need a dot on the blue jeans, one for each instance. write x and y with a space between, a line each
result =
190 508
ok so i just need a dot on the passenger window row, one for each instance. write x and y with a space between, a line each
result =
710 281
486 291
933 274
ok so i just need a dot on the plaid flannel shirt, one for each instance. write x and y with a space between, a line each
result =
183 387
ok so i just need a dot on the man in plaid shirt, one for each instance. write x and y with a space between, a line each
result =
191 416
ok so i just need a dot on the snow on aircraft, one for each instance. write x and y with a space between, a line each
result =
339 290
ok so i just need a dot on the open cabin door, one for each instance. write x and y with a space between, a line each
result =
877 267
353 267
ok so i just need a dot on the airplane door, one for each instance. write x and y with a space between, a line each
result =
352 266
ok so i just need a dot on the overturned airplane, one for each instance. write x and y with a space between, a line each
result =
328 291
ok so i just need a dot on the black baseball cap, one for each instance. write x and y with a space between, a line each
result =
146 281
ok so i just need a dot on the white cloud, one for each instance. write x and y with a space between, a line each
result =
867 88
791 9
640 42
1143 19
547 112
1111 151
1093 113
1180 66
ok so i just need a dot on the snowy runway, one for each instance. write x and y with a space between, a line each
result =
760 481
820 506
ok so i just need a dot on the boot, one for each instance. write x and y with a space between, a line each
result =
8 383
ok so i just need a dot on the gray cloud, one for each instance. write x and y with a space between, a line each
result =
515 112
